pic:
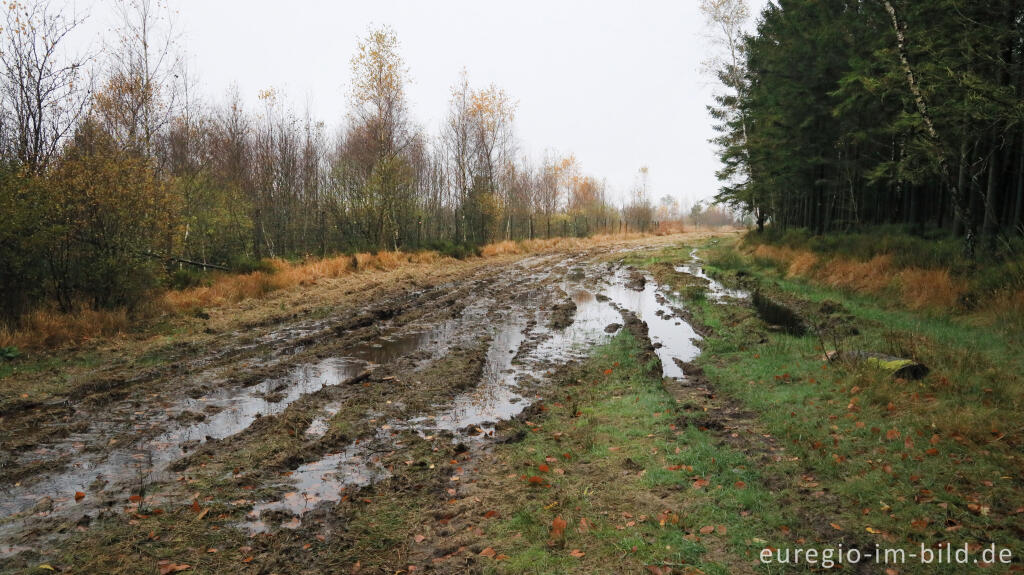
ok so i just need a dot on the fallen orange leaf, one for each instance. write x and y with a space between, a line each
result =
558 527
171 567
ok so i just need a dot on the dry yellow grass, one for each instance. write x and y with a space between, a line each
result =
921 289
802 264
1004 309
872 276
235 288
47 328
918 288
506 247
779 254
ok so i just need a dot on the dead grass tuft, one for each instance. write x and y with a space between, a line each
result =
872 276
780 254
1004 310
228 289
921 288
47 328
802 264
506 247
427 258
363 261
918 288
390 260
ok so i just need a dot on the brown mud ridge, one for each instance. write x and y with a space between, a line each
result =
303 415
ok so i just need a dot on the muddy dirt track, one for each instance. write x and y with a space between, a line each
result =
301 413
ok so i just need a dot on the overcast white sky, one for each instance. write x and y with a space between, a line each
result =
619 84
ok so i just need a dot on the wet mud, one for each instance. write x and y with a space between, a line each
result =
306 415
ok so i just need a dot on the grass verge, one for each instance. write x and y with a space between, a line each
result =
876 460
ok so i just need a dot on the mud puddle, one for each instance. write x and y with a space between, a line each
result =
671 335
513 312
109 472
502 392
470 414
716 290
495 398
324 480
110 475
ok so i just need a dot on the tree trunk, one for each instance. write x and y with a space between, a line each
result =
960 224
257 235
991 221
962 211
1019 209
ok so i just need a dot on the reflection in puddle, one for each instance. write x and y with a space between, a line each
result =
267 398
674 334
322 480
321 423
716 291
386 350
498 397
219 415
494 399
129 467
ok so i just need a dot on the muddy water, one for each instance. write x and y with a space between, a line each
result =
131 467
599 293
108 472
495 398
471 416
716 291
324 480
266 398
119 470
327 479
671 335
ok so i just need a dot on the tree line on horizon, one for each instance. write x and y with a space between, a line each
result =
836 114
114 174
